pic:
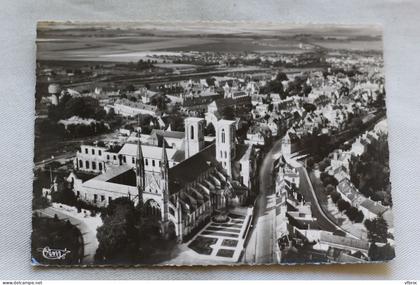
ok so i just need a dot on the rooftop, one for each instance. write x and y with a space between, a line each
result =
188 170
374 207
149 151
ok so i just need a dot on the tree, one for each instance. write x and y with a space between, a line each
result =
64 196
119 236
111 114
309 107
281 76
209 130
130 88
359 217
343 205
100 114
329 189
159 101
328 179
335 196
377 229
210 81
228 113
352 214
275 86
84 107
376 253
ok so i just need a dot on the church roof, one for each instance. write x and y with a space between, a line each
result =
188 170
149 151
168 134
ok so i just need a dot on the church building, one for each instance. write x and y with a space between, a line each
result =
179 189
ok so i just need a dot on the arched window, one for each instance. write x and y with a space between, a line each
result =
80 163
93 165
223 136
225 154
87 164
100 166
192 132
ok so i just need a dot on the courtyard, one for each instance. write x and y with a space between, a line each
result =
222 240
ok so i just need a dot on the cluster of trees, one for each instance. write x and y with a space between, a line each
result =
351 212
160 102
175 120
378 233
328 179
309 59
370 171
120 235
196 61
297 86
83 107
142 64
330 184
81 130
38 200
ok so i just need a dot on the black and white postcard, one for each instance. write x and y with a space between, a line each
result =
210 143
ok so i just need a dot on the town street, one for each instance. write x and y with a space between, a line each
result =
306 189
260 248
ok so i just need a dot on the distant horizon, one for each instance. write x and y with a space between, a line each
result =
220 28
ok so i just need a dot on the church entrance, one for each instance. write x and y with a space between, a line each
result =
171 231
152 209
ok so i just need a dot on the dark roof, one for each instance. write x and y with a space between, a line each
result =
179 155
188 170
84 176
225 102
126 178
168 134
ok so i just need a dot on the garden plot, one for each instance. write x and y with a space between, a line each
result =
221 241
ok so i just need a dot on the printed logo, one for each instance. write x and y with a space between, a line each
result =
55 254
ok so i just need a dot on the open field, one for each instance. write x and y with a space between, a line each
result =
118 49
353 45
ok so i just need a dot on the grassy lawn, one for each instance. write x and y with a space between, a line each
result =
223 229
230 242
225 252
202 245
219 234
228 225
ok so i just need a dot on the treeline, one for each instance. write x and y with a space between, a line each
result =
83 107
297 86
330 184
370 171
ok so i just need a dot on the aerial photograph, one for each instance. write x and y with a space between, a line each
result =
210 143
